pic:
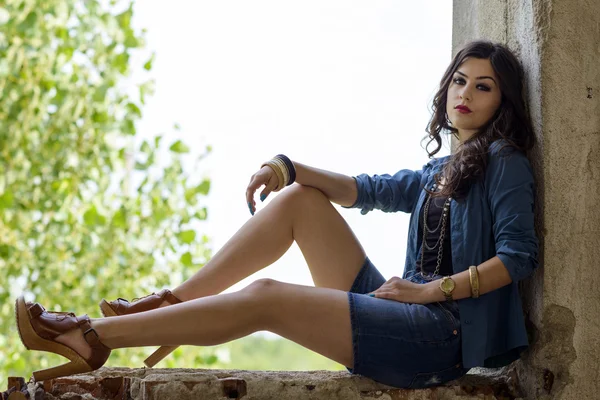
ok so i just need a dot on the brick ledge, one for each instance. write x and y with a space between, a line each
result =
201 384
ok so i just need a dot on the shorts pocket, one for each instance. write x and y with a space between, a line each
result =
430 379
453 322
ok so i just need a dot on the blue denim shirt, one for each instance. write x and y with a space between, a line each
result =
495 219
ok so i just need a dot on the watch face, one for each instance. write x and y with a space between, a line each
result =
447 285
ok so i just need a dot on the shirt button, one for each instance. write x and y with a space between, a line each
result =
468 321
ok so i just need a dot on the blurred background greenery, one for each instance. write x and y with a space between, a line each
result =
87 209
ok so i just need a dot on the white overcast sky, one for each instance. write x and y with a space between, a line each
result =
340 85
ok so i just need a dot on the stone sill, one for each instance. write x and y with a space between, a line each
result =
207 384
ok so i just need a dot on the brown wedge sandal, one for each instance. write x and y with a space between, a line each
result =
38 328
150 302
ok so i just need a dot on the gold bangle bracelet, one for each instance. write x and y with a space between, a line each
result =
284 170
278 172
474 279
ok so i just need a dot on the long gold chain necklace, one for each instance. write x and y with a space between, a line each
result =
440 240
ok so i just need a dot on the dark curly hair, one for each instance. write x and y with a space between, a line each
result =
510 122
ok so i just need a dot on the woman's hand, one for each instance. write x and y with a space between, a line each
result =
404 291
265 176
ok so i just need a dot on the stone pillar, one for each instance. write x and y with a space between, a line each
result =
558 44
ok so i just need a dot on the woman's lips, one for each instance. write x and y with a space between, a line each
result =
462 109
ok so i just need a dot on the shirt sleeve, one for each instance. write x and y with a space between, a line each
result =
398 192
510 190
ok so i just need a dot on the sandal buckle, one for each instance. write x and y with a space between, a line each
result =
88 331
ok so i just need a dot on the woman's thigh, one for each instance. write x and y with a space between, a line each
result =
333 253
394 343
316 318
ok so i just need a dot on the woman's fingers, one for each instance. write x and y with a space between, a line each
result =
381 294
263 177
387 290
254 184
269 187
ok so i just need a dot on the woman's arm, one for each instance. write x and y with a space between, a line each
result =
492 275
339 188
510 191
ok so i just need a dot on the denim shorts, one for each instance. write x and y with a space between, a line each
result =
401 344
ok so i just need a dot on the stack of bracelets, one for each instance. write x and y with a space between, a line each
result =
284 169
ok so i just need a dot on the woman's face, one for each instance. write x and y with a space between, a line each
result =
474 85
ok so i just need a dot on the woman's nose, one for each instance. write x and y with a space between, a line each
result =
465 93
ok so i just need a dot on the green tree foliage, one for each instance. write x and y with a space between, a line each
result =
86 210
259 353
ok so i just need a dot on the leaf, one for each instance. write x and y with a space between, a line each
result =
128 127
6 199
148 64
203 187
119 219
130 40
121 62
211 359
28 22
145 148
91 217
100 93
157 140
186 259
187 237
202 214
133 109
141 166
179 147
146 89
124 19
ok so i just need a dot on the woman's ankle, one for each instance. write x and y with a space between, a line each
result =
75 340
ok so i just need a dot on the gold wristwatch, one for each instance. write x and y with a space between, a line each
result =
447 287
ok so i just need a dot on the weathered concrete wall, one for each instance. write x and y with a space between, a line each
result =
558 43
198 384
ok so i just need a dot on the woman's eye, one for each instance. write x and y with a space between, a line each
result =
460 81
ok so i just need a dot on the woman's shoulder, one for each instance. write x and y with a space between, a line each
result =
503 148
438 161
508 161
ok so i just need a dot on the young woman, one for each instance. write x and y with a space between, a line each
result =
471 239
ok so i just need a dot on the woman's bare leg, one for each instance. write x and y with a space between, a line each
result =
299 213
316 318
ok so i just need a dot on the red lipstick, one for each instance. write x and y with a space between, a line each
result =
463 109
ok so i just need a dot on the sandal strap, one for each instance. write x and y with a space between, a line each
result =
100 352
89 334
35 310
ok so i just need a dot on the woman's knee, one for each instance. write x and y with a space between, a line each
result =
301 192
302 197
262 285
262 293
